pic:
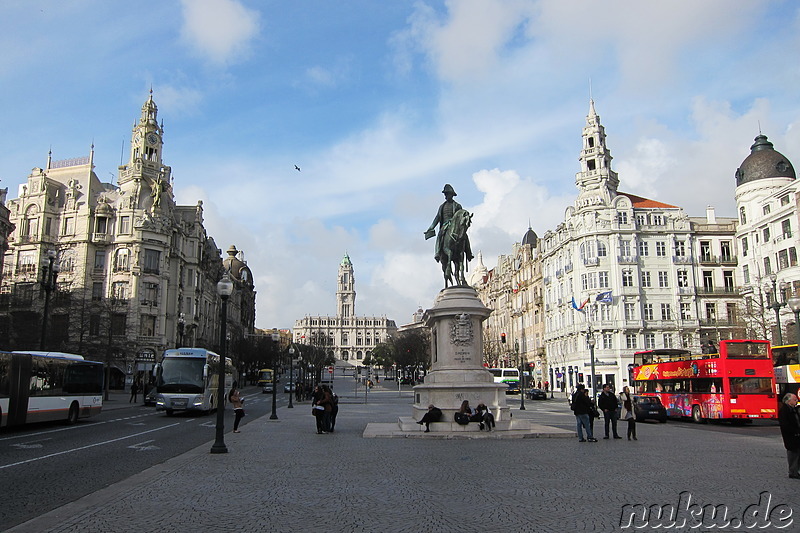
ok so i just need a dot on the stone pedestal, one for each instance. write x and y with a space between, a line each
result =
457 371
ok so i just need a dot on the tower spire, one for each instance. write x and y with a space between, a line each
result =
596 181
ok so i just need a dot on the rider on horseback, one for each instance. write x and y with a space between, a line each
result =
443 218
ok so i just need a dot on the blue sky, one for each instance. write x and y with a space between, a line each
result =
383 102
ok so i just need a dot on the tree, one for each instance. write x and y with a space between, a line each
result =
412 351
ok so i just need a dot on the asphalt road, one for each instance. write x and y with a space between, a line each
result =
44 466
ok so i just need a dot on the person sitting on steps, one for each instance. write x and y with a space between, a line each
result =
434 414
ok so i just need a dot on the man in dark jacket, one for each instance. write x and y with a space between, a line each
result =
789 419
582 407
608 404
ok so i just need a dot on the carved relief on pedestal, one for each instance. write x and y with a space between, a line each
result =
461 333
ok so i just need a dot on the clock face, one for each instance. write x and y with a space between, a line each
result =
152 138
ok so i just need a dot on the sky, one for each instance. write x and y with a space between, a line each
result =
380 103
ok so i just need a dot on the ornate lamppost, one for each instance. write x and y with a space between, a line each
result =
592 341
292 381
224 289
50 270
778 301
181 327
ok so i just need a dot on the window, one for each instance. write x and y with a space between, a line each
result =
622 217
765 209
149 293
643 248
663 279
661 248
792 256
602 281
744 246
125 224
147 326
641 219
122 260
645 279
605 312
97 290
742 215
625 248
746 273
608 341
94 325
648 311
667 337
680 248
705 251
657 220
711 312
786 228
151 261
627 278
69 226
767 266
118 324
686 311
99 259
683 278
649 341
630 341
666 312
731 309
708 280
601 249
785 200
101 225
119 290
727 280
765 232
630 311
727 253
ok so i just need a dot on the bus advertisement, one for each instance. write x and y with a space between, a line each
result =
187 379
787 369
736 384
48 386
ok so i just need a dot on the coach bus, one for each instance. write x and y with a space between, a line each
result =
264 377
736 384
48 386
787 369
187 380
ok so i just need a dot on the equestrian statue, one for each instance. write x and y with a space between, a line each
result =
452 242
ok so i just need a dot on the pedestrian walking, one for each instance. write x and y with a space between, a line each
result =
582 407
334 409
789 419
238 407
327 403
627 414
608 404
134 391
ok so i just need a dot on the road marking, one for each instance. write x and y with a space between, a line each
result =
84 447
142 448
28 446
90 424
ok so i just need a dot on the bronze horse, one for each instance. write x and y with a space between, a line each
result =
453 248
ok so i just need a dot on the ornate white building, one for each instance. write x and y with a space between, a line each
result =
137 273
628 271
769 237
347 337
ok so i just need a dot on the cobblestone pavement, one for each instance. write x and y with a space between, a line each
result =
280 476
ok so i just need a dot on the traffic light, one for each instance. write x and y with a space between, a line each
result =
503 338
531 365
580 377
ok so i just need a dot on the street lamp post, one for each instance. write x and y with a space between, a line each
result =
49 275
521 378
778 301
794 305
224 289
591 340
181 326
292 381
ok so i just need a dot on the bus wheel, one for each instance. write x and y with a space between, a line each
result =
697 416
73 413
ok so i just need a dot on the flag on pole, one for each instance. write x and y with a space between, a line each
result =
579 308
604 298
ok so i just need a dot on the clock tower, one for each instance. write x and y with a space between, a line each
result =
346 290
145 176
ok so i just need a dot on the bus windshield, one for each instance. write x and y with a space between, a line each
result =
181 375
747 350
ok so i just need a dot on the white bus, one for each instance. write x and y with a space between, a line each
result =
504 375
187 379
48 386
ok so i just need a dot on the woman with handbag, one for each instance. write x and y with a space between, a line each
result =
238 407
626 400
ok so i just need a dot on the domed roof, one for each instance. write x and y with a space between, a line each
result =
238 269
763 162
346 260
530 238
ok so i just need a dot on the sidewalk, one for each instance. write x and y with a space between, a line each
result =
281 476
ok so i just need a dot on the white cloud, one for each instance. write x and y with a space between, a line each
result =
220 30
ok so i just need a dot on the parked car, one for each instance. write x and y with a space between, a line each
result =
267 387
645 407
513 387
151 396
536 394
289 387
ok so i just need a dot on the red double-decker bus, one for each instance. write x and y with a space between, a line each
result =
736 384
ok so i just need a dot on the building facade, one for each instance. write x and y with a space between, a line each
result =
132 273
347 337
767 234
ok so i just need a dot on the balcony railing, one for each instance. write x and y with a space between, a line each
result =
682 259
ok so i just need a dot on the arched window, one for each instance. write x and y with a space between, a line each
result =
742 215
602 251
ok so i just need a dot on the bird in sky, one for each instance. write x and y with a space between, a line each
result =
297 168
